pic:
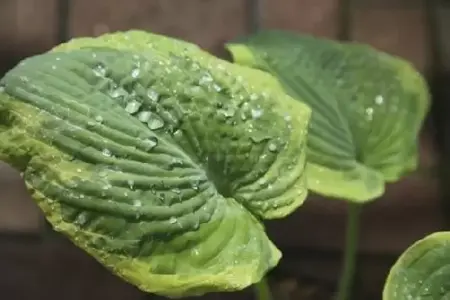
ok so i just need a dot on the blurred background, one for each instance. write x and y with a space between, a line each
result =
38 264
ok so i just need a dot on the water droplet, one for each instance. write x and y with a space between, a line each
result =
155 122
137 203
257 113
103 173
287 118
79 170
135 73
369 113
132 107
82 219
117 92
175 162
130 184
258 137
150 143
205 79
100 70
379 99
99 119
172 220
195 186
195 252
272 147
262 182
228 112
153 95
144 116
217 88
106 152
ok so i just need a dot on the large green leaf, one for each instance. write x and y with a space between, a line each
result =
422 272
367 108
157 158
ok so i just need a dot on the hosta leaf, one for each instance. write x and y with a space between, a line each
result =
367 108
422 272
157 158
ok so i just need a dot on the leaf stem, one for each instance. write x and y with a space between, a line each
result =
262 290
350 252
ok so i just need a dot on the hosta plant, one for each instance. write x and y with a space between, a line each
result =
161 161
367 110
158 159
422 272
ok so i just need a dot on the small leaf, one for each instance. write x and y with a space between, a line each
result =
367 108
422 272
144 151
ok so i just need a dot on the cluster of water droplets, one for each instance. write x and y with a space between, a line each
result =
370 110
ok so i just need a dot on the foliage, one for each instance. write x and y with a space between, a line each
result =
157 158
422 271
367 110
161 160
367 106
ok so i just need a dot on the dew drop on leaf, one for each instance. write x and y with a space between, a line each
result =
228 112
150 143
144 116
130 184
99 119
82 219
257 113
258 137
135 73
369 113
153 95
155 122
205 80
262 182
132 107
106 152
273 147
117 92
379 99
287 118
100 70
253 97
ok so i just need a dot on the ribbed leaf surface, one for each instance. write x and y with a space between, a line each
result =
157 158
422 272
367 108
